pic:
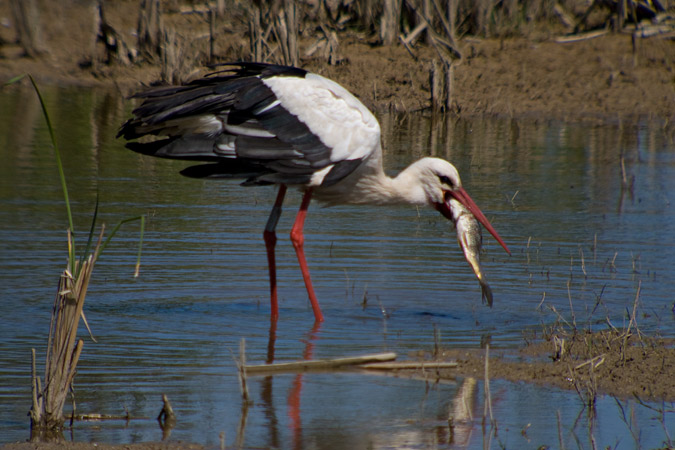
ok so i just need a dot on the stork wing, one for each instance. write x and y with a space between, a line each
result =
271 124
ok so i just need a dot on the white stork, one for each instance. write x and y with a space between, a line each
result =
281 125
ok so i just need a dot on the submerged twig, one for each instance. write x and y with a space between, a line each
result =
318 364
166 418
407 365
488 399
241 371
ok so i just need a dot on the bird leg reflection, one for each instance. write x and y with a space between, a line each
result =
270 237
296 390
298 239
294 396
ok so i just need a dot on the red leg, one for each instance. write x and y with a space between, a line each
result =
298 239
270 237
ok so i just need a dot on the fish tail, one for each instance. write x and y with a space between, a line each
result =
486 294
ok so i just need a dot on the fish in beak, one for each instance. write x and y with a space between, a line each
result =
465 200
465 215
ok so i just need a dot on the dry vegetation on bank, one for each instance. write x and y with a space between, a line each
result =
502 58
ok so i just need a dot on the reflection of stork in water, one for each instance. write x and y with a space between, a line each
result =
282 125
457 431
294 394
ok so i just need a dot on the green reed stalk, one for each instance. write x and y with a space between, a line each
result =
63 352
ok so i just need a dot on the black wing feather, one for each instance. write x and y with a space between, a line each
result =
286 152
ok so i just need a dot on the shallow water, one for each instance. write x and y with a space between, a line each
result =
387 279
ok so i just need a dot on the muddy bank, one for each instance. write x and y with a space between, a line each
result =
604 78
604 363
592 79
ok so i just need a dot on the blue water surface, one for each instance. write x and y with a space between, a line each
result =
588 240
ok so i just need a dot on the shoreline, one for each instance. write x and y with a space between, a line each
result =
600 80
607 78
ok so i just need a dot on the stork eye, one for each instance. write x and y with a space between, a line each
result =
445 180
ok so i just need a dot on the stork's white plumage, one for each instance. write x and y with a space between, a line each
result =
282 125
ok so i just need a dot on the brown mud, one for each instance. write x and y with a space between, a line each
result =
611 362
605 78
601 79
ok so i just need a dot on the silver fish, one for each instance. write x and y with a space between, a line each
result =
470 240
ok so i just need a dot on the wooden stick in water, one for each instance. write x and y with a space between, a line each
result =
318 364
402 365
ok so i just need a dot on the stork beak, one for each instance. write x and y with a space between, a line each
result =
461 196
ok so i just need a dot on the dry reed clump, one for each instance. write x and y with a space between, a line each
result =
63 351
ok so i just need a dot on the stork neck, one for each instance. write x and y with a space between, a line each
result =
407 188
404 188
370 185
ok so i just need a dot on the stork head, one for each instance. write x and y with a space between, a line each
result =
443 184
